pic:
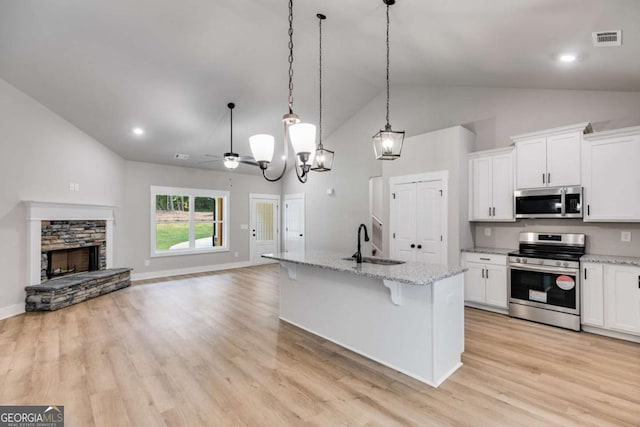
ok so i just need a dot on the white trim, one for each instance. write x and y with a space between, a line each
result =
506 150
189 270
155 190
11 310
277 198
485 307
611 334
49 211
416 178
584 127
630 131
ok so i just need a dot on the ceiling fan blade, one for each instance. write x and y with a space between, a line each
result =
210 161
247 159
213 155
248 162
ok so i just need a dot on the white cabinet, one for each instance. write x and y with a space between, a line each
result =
622 298
485 281
592 294
611 176
550 158
491 185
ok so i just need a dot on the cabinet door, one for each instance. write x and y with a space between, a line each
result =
531 163
496 285
622 298
563 160
592 295
611 175
474 283
502 187
481 190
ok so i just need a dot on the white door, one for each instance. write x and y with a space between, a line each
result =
404 204
474 283
294 223
481 188
592 295
622 298
496 285
429 239
563 160
502 187
531 163
264 226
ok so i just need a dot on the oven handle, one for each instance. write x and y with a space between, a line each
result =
563 201
542 269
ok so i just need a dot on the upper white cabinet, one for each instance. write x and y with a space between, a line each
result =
550 158
611 175
491 185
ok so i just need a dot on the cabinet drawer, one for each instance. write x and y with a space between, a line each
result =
485 258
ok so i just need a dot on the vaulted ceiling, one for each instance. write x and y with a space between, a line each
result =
172 66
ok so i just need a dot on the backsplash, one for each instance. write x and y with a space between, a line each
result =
602 238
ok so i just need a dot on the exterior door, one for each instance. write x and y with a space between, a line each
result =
428 211
264 226
294 223
405 231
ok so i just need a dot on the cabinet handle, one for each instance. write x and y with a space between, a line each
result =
549 178
485 259
585 274
483 272
543 178
494 211
419 246
413 246
588 210
638 282
489 210
486 276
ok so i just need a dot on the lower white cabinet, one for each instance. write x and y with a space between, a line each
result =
611 297
485 281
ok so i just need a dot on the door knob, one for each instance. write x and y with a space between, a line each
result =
301 235
413 246
419 246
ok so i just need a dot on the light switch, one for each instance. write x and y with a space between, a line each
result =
244 226
625 236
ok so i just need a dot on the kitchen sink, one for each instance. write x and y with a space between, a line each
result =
378 261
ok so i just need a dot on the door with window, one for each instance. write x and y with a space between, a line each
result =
264 220
294 223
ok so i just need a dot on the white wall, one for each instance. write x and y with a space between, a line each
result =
490 113
41 154
135 224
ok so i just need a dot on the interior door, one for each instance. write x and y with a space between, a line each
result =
264 227
429 233
404 203
294 223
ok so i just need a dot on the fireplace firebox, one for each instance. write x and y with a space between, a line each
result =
68 261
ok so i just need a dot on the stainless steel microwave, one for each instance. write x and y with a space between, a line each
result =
558 202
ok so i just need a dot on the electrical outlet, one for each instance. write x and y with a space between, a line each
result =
235 254
625 236
487 232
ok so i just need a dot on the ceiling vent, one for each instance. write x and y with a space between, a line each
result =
607 38
180 156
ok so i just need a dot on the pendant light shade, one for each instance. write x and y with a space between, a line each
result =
387 143
262 147
322 161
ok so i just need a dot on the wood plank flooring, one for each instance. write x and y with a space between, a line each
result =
209 350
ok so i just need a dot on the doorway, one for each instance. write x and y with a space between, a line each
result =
418 218
294 229
264 222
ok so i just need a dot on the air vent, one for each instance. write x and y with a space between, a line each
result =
181 156
607 38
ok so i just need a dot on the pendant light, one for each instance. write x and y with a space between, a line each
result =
387 144
231 159
323 159
301 135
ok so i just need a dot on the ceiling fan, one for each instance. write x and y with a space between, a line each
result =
231 160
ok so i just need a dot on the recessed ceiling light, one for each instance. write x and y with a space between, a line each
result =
567 57
138 131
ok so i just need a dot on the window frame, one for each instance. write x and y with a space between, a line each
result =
192 193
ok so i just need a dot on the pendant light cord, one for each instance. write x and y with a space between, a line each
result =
231 128
290 56
320 18
388 64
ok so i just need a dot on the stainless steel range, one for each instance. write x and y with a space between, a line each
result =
544 279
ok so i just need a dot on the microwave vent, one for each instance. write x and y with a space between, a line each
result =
607 38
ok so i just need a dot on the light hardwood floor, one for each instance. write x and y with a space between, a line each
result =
210 350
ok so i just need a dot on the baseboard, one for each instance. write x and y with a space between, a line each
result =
188 270
611 334
486 307
11 310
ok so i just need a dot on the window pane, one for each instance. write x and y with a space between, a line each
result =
172 222
208 222
264 221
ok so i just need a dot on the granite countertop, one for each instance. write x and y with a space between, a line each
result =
611 259
493 251
77 278
412 273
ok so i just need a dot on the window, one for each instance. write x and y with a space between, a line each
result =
188 221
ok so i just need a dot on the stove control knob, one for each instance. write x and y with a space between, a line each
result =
565 264
524 260
558 263
517 260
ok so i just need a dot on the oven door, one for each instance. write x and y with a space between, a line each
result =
553 288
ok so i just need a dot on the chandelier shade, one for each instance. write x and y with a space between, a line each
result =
262 147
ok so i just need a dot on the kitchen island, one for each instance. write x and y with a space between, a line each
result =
409 317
